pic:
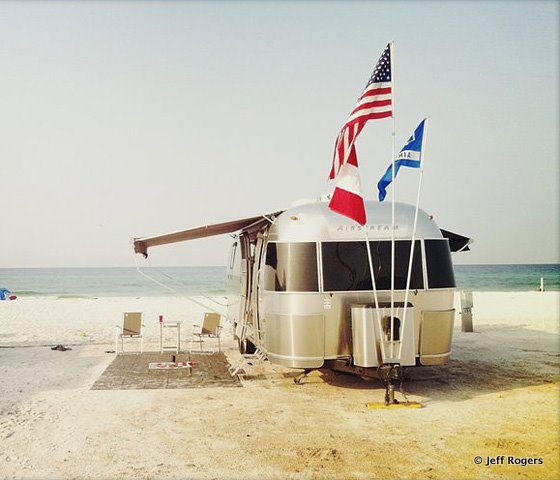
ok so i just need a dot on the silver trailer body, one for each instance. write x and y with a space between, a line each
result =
300 288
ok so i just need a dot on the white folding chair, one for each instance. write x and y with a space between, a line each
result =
210 328
131 327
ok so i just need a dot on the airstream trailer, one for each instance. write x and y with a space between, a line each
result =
300 289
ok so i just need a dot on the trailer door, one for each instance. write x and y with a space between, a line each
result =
241 328
254 301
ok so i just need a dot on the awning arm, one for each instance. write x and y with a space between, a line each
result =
141 245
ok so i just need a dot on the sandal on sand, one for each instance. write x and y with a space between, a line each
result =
61 348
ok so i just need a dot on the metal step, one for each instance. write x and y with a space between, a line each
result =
247 360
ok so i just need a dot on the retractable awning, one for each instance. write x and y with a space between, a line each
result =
141 245
457 243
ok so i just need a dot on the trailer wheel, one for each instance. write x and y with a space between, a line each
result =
246 347
250 347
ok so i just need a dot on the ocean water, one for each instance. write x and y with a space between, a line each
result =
118 282
507 277
113 282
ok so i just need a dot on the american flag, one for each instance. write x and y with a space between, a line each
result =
375 102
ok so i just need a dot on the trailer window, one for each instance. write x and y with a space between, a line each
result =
291 267
346 267
438 264
381 254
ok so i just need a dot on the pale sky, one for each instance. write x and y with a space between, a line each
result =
128 119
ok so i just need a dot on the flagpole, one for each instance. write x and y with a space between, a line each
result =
392 47
371 272
413 240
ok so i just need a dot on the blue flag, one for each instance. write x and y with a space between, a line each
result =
409 156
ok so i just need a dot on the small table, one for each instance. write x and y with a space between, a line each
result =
169 348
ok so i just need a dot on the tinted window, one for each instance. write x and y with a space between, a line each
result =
346 268
438 264
291 267
381 254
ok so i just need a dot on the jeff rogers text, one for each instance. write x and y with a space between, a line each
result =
508 460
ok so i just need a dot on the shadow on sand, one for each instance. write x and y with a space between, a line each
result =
494 358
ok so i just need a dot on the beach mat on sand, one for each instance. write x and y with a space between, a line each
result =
132 372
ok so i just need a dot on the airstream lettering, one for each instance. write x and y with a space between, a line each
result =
359 228
300 289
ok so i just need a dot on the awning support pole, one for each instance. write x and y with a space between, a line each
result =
175 291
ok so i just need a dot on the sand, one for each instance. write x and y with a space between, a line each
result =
499 396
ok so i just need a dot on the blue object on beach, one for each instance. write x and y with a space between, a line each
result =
409 156
4 294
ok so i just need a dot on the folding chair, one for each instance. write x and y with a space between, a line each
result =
210 328
132 327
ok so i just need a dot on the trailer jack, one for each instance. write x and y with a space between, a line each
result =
302 375
390 373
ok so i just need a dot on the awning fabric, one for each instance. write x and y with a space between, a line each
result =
457 243
141 245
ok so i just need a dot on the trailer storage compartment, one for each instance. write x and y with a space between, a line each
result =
365 339
367 335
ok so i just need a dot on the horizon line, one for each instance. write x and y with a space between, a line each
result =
225 266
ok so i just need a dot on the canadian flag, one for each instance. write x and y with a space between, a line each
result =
347 196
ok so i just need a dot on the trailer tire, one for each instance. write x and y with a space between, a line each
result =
246 347
250 347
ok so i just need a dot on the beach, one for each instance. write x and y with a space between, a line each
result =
498 397
348 175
